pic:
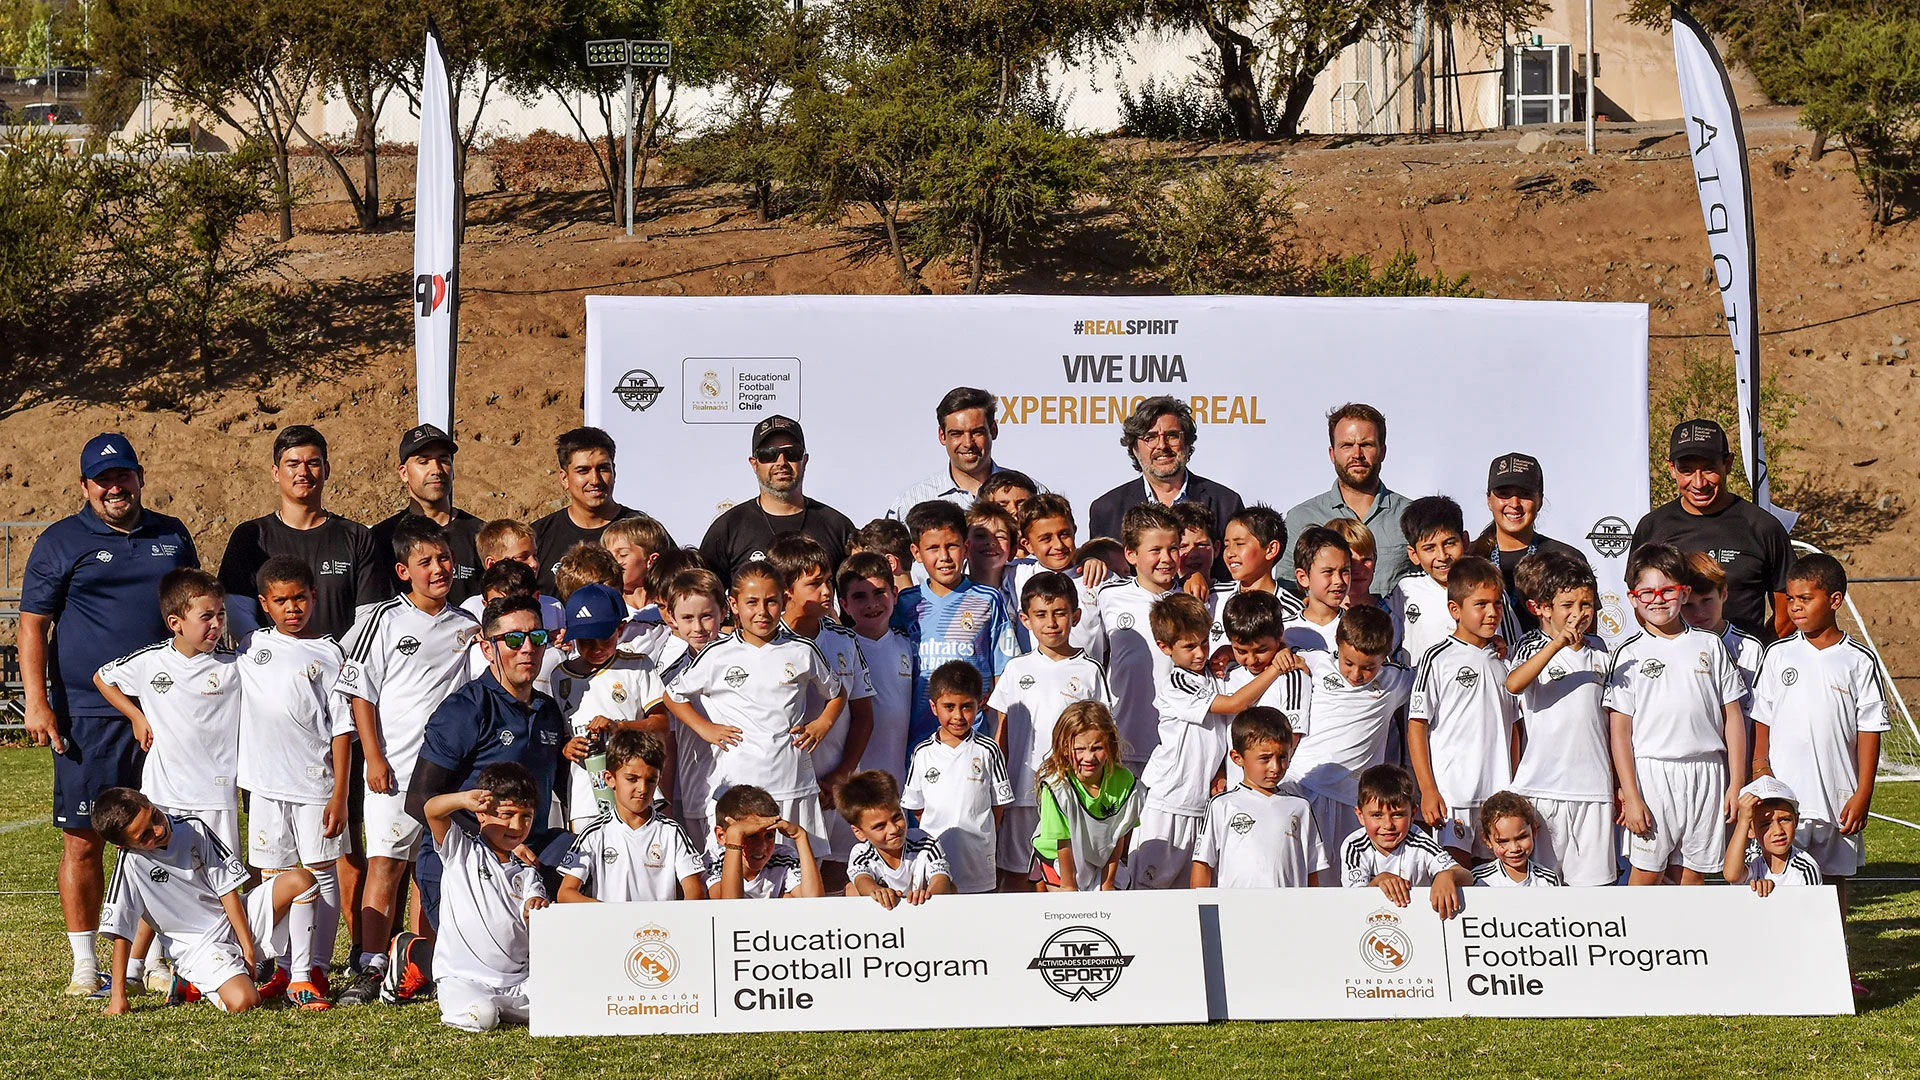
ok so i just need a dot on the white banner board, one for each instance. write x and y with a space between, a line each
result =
841 964
679 382
1533 952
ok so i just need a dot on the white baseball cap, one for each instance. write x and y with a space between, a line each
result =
1771 788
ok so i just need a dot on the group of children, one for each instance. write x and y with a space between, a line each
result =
973 702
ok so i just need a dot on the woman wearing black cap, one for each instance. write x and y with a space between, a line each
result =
1514 494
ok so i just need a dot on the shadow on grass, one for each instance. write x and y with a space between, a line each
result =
1881 932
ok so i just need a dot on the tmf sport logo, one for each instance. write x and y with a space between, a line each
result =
430 291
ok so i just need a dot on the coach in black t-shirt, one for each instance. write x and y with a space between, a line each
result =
426 471
746 531
347 569
586 471
1749 543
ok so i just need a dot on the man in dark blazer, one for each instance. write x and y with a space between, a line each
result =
1159 439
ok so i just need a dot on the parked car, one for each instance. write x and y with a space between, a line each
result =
50 114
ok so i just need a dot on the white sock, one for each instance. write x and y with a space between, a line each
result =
85 964
157 952
326 915
136 970
300 933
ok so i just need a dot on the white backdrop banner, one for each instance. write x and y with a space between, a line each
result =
840 964
1534 952
679 382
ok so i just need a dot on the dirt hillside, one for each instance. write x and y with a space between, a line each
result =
1840 305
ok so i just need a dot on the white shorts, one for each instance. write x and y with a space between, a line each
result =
392 833
209 960
1162 855
1461 831
1688 802
840 838
470 1006
1577 839
802 810
1013 840
1333 820
1838 854
222 825
283 834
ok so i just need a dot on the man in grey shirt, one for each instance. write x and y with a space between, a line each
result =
1357 446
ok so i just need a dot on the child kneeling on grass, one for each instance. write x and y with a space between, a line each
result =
486 896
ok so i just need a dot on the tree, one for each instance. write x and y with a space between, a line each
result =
353 50
1861 81
1217 226
999 181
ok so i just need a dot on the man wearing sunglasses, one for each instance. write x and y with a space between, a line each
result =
747 531
499 716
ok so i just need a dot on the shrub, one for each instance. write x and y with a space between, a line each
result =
1862 87
1401 276
1218 226
1705 386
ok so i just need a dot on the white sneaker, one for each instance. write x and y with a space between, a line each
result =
159 978
87 986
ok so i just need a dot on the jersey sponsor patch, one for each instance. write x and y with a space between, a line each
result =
1652 669
1241 823
161 683
1413 613
1467 678
736 676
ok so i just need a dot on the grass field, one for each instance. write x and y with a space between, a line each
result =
44 1035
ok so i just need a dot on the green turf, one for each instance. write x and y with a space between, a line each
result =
43 1035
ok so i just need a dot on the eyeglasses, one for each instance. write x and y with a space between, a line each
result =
515 639
767 455
1664 592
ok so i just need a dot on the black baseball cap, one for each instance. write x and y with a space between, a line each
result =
417 439
1698 439
1516 470
778 425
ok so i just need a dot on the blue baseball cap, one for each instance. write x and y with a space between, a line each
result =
595 612
107 450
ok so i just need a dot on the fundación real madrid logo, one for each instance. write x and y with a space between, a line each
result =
652 963
1384 946
710 384
1080 963
638 390
1611 536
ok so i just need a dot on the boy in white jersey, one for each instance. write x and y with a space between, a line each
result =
754 683
631 851
1679 736
601 689
1436 535
1508 825
957 780
809 576
696 609
1460 719
892 862
505 543
1197 546
1559 675
296 736
1192 748
1255 835
188 715
639 544
1253 623
1762 852
1819 709
1250 548
487 894
404 656
866 592
1358 694
1026 703
176 876
1047 533
1135 666
1705 610
749 861
1390 853
1323 567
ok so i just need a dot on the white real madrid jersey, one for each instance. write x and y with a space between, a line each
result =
954 789
1815 703
177 886
1347 727
1258 841
406 662
1419 859
762 690
1568 754
1461 692
483 921
624 689
1291 693
1494 875
1675 690
1193 744
1135 665
192 703
290 715
1031 694
1421 620
921 860
779 877
840 648
889 660
616 862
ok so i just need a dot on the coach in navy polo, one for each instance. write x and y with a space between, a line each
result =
499 716
95 576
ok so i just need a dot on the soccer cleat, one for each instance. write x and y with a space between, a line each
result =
307 996
276 985
93 986
182 992
318 977
159 978
364 989
409 969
